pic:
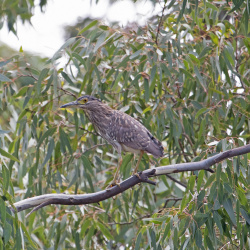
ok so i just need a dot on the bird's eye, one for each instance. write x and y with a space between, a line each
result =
84 100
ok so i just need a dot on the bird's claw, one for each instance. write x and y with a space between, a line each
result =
136 174
112 184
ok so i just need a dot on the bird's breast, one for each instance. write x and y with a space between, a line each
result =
131 150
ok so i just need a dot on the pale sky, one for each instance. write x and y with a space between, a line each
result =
45 37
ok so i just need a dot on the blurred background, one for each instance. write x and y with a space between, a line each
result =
52 24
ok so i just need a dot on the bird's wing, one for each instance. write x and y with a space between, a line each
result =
128 131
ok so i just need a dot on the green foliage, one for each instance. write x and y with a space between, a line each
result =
188 84
11 10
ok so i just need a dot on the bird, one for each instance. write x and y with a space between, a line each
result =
119 129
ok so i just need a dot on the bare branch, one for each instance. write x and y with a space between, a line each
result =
130 222
171 199
64 199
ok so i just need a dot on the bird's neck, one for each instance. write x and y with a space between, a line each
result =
100 117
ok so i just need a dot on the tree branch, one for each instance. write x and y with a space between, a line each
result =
171 199
173 179
80 199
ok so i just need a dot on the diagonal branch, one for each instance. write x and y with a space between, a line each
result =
80 199
173 179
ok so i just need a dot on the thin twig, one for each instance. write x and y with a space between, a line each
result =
173 179
183 152
171 199
160 23
130 222
73 126
88 149
67 92
190 142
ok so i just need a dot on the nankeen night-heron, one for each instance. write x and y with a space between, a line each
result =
122 131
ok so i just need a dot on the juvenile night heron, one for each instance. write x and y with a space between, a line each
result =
122 131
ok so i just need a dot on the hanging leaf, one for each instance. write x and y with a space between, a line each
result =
49 151
229 208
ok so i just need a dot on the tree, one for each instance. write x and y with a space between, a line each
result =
185 77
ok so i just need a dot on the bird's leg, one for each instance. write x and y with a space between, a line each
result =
117 171
113 183
138 162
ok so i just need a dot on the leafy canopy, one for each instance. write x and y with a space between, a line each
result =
185 76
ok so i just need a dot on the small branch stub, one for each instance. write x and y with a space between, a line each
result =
144 176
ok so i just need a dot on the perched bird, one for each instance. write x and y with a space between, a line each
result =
122 131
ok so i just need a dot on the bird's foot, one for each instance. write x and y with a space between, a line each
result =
136 174
112 184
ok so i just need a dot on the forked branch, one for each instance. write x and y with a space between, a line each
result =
81 199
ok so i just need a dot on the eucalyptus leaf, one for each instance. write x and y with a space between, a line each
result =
4 78
6 154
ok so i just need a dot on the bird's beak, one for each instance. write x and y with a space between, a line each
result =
71 104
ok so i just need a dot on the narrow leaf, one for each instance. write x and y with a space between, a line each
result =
137 243
4 78
6 232
4 132
188 74
87 164
182 10
205 51
245 215
198 238
65 140
6 177
6 154
27 235
48 133
2 211
137 53
217 219
22 91
49 151
199 77
66 77
229 208
100 41
89 26
2 63
166 70
201 111
105 230
40 79
200 179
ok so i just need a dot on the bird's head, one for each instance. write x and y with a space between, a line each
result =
85 102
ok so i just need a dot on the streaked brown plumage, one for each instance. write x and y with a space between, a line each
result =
122 131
